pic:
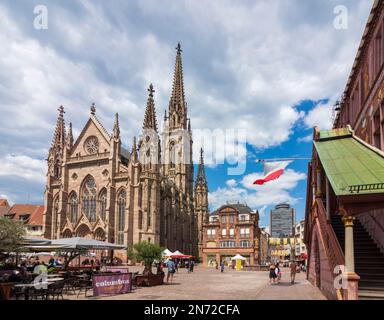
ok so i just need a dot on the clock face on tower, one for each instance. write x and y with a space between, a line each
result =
91 145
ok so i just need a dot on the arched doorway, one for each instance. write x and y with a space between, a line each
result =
84 231
99 234
67 234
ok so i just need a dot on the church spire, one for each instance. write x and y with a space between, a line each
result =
93 109
59 135
134 150
150 113
177 104
116 127
201 179
70 137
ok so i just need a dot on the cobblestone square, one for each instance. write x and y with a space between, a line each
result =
211 284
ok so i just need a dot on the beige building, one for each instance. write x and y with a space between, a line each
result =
300 247
230 230
264 246
98 189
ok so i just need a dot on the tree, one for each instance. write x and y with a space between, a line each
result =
147 253
11 233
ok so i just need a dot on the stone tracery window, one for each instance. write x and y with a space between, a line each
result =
73 207
103 204
89 199
91 145
172 160
121 200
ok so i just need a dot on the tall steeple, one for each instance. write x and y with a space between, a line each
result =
134 150
58 141
116 127
69 139
150 113
201 202
177 104
201 179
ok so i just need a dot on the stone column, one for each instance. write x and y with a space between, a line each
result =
328 200
349 247
318 182
352 277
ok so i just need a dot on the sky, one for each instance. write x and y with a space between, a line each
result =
266 71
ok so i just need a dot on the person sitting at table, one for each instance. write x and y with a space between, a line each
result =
51 263
40 268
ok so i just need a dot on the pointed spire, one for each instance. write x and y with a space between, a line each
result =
189 125
59 135
93 109
70 136
177 100
165 115
150 113
116 127
134 150
201 170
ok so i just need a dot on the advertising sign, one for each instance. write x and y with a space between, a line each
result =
113 284
113 269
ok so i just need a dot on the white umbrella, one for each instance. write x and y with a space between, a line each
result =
166 253
238 257
76 243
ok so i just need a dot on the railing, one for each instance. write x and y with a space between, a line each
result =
335 253
366 187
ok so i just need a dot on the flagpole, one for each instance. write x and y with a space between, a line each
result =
280 159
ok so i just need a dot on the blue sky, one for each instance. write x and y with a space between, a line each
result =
272 69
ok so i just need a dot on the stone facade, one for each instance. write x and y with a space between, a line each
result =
232 229
96 188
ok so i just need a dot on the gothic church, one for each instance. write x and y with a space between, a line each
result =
98 189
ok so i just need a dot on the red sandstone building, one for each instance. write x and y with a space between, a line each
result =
345 193
232 229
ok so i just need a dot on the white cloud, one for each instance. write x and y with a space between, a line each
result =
23 167
258 197
231 183
307 138
320 116
246 65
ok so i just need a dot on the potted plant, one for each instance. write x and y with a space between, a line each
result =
147 253
11 233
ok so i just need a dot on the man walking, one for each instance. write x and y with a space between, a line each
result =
171 270
222 266
293 267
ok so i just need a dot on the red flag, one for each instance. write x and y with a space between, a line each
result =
272 171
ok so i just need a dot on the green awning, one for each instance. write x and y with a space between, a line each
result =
351 166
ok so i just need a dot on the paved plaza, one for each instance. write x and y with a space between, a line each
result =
210 284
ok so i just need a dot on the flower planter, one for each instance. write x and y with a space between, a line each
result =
6 290
149 281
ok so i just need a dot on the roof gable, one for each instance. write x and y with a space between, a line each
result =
92 128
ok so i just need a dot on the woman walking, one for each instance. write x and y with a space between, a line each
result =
272 273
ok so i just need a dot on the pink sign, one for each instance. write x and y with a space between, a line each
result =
113 269
117 283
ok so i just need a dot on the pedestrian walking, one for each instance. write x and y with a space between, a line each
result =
176 265
222 266
272 273
191 265
171 269
278 272
293 267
